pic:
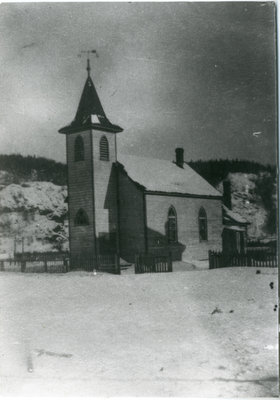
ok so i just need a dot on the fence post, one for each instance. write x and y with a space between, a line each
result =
22 266
209 258
153 264
136 264
45 265
226 259
248 260
97 266
170 262
65 264
117 264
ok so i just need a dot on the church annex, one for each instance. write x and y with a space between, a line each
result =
129 205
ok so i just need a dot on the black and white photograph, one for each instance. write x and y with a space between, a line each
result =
138 199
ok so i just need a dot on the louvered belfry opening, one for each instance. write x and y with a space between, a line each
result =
104 149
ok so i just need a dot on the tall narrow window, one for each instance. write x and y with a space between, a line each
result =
79 149
104 149
202 224
81 218
172 226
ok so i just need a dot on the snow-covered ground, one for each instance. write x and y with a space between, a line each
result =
140 335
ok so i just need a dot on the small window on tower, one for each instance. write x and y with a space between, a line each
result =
81 218
79 149
104 149
202 224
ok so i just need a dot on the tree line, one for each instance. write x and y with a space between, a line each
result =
32 168
215 171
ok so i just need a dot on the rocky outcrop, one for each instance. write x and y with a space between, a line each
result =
33 215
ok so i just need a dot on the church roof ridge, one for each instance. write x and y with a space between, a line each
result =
159 175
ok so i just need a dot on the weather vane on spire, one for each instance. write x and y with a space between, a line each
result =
88 52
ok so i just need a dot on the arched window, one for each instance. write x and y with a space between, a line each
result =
172 226
79 149
202 224
104 149
81 218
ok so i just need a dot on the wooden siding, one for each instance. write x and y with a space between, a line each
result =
105 190
187 210
131 218
80 195
94 185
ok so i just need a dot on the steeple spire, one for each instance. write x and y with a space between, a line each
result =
88 67
90 113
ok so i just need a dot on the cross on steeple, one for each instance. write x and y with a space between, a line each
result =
88 52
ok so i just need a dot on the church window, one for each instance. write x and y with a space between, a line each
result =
104 149
202 224
79 149
172 226
81 218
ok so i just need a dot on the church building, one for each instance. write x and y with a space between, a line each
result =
128 205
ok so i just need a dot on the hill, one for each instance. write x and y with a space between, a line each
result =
215 171
16 168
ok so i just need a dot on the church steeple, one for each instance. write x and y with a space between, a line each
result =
90 113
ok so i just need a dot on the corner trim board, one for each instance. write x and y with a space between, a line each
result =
93 196
145 222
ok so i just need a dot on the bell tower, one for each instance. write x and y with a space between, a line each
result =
92 180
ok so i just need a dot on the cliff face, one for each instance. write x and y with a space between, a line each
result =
35 212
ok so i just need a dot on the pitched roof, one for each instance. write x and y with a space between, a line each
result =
90 113
165 176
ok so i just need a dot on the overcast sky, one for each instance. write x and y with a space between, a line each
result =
195 75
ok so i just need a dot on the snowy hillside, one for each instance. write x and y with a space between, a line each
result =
35 211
